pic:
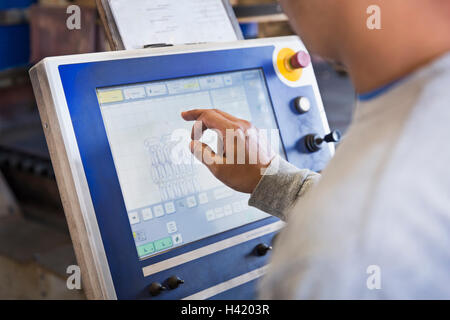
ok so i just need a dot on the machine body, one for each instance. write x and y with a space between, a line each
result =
146 226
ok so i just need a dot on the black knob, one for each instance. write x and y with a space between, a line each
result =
173 282
156 288
333 136
302 104
262 248
314 141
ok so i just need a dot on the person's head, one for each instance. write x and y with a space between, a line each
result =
337 29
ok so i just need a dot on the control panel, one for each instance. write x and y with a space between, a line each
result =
148 221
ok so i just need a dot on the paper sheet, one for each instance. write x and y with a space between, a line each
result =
146 22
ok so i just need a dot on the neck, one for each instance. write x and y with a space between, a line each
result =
398 49
367 77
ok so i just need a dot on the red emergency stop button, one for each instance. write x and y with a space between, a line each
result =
291 64
300 60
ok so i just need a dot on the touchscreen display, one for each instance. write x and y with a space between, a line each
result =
170 197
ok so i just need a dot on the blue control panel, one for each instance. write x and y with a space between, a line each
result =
168 228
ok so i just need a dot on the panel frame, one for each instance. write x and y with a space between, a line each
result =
67 160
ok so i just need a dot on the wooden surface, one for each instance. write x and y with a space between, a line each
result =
260 12
78 232
109 25
264 18
51 37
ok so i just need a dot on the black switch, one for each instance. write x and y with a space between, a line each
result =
156 288
173 282
314 141
262 248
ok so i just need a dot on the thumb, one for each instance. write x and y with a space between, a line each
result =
205 154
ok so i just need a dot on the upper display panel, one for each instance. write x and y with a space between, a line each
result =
170 197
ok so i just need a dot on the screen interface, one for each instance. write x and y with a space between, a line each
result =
171 198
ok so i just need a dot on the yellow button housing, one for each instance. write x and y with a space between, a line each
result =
284 66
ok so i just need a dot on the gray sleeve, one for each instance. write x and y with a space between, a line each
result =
280 187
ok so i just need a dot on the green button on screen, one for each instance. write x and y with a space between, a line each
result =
146 249
164 243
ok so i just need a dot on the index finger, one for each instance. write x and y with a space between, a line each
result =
210 120
193 114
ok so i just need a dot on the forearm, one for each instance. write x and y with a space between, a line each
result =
281 187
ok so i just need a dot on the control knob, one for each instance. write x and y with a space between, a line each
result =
262 248
156 288
314 141
173 282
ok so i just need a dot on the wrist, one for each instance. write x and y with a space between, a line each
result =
259 174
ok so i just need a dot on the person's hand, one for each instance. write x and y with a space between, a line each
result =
243 152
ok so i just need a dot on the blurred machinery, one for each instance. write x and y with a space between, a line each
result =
35 247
